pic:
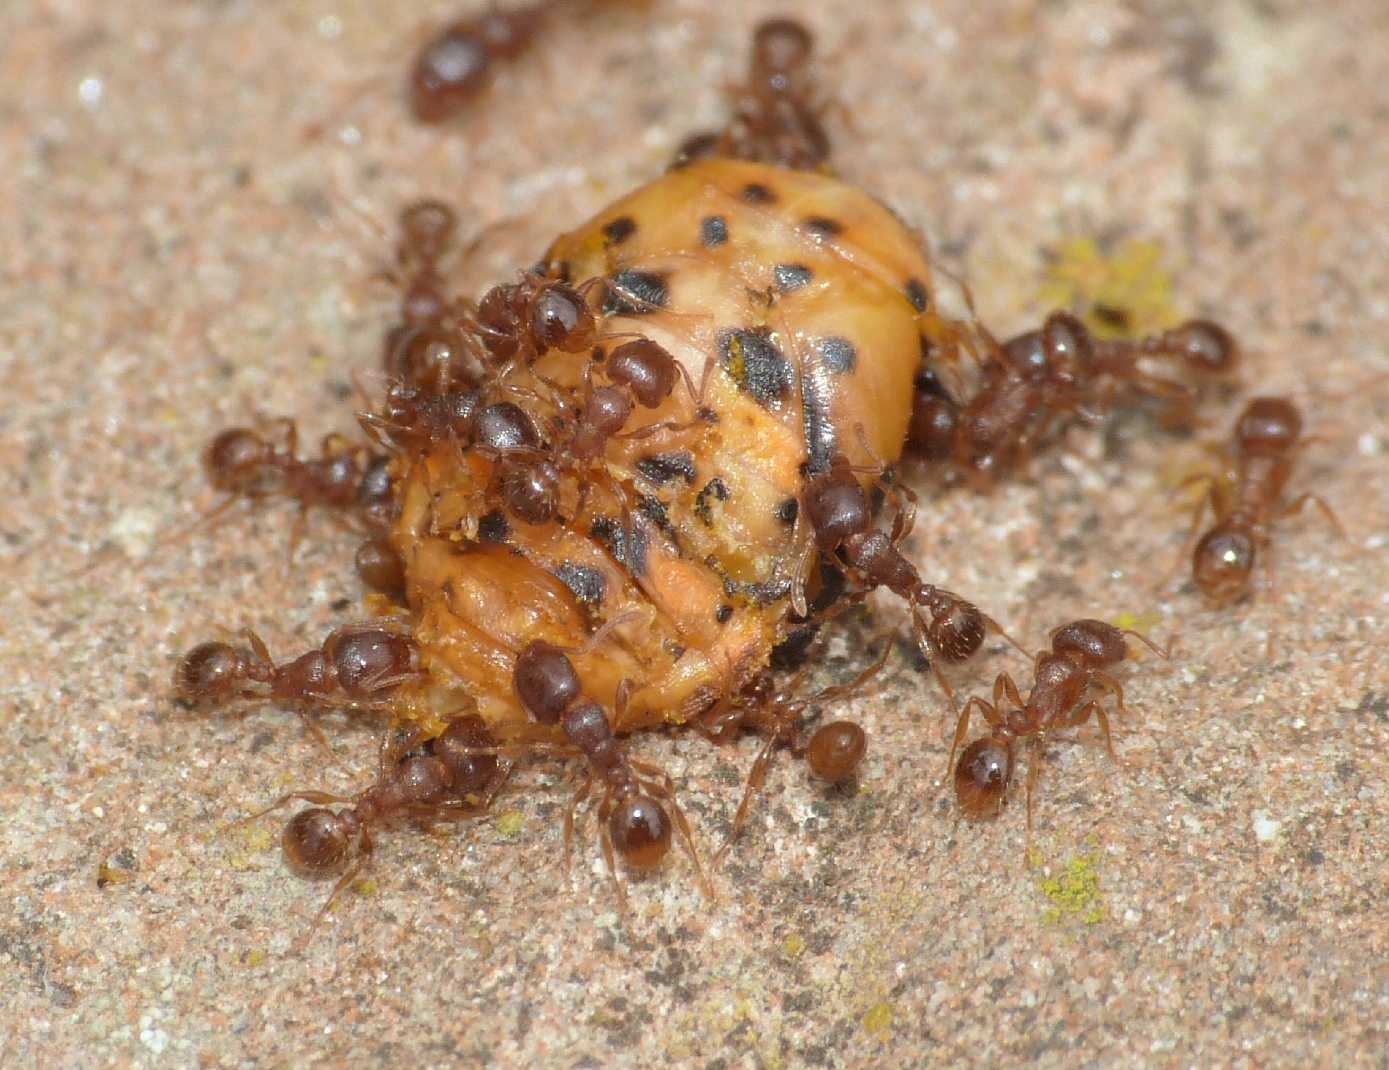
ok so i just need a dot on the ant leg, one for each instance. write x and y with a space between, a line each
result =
1111 685
346 879
606 839
757 780
990 714
1299 503
318 798
1010 689
989 622
578 798
1034 772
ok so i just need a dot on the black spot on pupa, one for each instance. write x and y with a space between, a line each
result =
627 545
588 584
713 491
786 512
713 231
655 511
619 230
916 294
756 193
754 362
633 293
493 527
792 277
724 612
668 467
823 228
839 354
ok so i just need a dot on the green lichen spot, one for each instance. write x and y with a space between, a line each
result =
1123 295
1074 893
366 886
510 823
877 1023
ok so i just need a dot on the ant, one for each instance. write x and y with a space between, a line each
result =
1063 678
632 813
1030 381
357 667
836 520
833 752
775 118
454 775
453 68
244 463
1250 498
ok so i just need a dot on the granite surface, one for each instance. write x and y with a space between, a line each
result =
181 252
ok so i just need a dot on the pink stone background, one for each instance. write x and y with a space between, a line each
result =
178 256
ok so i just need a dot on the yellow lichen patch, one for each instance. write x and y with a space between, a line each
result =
877 1023
1074 893
1122 295
793 946
255 841
366 886
510 823
1143 624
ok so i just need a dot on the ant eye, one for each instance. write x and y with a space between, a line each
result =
640 831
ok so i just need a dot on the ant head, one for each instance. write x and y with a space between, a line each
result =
210 672
421 779
530 489
1207 347
366 660
426 228
1098 644
982 776
835 751
780 46
561 319
236 460
448 72
640 830
545 681
1223 563
1268 427
505 426
470 773
317 841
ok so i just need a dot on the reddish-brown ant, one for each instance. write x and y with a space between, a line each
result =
1249 499
633 812
244 463
457 63
836 520
357 667
1063 680
776 118
454 775
1034 380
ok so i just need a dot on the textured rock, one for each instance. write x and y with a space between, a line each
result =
180 255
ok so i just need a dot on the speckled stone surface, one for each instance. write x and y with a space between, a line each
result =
178 255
